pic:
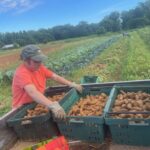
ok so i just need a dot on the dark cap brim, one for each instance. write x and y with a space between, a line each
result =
40 57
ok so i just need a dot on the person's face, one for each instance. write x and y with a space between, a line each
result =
33 65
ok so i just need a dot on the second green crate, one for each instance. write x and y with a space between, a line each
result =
85 128
90 79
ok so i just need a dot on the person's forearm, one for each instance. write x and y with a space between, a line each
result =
40 98
36 95
62 80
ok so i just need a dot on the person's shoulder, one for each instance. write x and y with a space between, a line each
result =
43 67
21 69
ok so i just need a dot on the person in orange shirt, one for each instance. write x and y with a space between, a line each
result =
29 81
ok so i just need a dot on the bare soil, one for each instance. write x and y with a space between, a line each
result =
8 60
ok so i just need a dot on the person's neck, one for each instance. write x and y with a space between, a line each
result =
28 67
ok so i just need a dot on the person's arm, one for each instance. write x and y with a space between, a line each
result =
62 80
38 97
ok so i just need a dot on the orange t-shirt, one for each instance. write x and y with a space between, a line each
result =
24 76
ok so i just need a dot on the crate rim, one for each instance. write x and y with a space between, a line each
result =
13 120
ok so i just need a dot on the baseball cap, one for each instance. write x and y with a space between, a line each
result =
33 52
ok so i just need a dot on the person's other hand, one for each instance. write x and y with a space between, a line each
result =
78 87
57 111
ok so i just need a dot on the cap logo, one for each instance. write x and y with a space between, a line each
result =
39 51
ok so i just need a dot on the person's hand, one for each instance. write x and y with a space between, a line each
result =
57 111
78 87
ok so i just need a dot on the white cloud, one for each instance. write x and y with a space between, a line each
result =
121 6
108 10
18 6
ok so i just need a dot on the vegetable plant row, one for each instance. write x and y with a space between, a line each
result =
66 60
78 57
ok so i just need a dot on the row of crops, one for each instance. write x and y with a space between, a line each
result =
71 58
108 65
78 57
137 65
127 59
145 35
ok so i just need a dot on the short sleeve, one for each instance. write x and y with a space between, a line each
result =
22 79
48 73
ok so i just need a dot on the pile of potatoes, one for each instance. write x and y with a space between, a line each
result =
56 97
38 110
132 102
41 109
89 106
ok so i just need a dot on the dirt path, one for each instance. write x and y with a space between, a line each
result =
9 60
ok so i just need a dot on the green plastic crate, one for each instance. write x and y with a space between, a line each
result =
90 79
56 90
39 127
130 131
85 128
36 128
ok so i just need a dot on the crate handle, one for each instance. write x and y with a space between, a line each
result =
138 122
25 122
72 120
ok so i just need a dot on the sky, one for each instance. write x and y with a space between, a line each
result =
19 15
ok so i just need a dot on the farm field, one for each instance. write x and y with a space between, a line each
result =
127 59
111 57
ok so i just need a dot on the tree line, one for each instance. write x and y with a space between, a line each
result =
114 22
